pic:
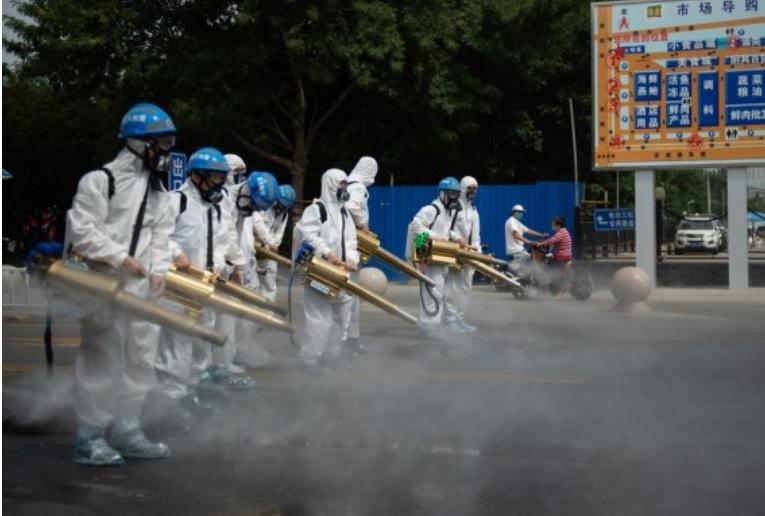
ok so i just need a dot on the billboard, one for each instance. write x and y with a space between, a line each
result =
678 84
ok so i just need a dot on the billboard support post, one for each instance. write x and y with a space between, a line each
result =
738 252
645 223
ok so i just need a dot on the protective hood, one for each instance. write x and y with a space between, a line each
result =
464 184
330 183
234 162
365 171
236 167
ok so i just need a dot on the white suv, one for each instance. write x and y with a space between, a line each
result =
699 234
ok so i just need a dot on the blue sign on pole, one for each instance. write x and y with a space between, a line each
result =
621 219
177 175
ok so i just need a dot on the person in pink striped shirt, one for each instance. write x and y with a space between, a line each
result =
560 241
561 262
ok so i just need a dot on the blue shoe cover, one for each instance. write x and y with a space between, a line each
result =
91 449
128 438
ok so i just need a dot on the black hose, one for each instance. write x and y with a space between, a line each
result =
429 290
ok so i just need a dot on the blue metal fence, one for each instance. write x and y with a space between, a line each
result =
392 208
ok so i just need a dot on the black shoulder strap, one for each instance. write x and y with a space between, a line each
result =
139 221
217 210
438 212
183 201
454 218
322 211
110 177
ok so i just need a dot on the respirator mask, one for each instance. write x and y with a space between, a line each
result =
471 194
450 199
243 202
212 191
342 194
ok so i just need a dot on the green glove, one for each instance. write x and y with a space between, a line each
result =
422 240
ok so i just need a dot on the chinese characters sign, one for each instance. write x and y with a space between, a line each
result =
678 83
620 219
177 175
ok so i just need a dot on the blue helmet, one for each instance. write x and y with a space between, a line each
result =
146 119
263 187
449 184
206 160
285 195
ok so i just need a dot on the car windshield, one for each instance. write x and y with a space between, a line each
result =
696 224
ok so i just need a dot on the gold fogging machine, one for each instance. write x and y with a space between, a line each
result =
331 279
198 288
74 276
264 253
369 245
452 254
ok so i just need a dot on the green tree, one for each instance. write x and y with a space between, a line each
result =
430 88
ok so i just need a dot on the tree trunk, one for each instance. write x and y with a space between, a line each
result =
297 173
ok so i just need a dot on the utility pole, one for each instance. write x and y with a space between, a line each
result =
578 240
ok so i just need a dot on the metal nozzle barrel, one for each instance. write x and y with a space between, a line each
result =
440 251
335 276
369 244
198 291
107 287
235 290
491 272
264 253
479 257
163 317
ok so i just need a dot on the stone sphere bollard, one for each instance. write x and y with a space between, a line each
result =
374 279
631 286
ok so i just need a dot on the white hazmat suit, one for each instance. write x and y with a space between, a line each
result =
442 224
115 367
269 229
237 260
202 235
361 177
326 319
460 282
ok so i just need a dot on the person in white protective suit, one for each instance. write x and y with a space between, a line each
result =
200 239
236 263
120 219
361 177
237 170
329 230
251 199
438 220
460 282
240 268
269 230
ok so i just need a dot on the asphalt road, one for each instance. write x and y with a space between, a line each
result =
552 408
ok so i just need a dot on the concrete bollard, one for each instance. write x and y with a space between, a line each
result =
631 286
374 279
